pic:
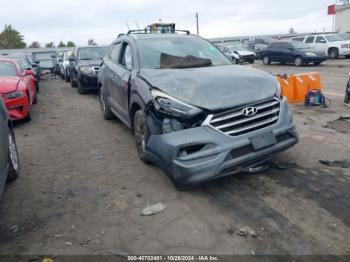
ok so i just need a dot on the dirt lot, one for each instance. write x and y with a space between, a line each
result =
83 187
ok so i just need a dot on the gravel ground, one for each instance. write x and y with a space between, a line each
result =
82 188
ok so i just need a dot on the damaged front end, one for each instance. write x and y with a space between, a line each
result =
191 148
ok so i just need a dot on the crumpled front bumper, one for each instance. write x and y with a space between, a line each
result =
211 154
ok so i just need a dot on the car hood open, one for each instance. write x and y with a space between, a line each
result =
213 88
8 84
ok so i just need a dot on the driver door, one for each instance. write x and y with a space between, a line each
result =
321 44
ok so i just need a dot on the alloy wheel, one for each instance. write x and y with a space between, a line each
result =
266 60
102 102
140 135
13 152
298 61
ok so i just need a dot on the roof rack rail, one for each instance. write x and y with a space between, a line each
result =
145 31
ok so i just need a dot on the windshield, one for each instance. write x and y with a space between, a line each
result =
22 62
345 36
7 69
92 53
333 38
152 49
43 56
30 58
300 45
238 48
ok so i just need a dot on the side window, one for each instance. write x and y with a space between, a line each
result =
114 53
320 40
126 56
310 39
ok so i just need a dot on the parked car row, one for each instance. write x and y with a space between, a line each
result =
333 45
192 111
238 53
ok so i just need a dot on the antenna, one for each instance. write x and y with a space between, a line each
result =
137 25
127 25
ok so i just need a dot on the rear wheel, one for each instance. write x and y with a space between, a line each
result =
13 159
298 61
266 60
105 108
333 53
142 134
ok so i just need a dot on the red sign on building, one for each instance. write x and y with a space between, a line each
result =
331 10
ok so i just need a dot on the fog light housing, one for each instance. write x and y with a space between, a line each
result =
171 125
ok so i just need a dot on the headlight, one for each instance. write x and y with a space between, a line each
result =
86 69
172 106
310 54
13 94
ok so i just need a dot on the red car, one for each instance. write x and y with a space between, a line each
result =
17 89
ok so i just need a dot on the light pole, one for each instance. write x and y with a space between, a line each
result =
197 23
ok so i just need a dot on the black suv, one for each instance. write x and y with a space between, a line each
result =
84 65
193 112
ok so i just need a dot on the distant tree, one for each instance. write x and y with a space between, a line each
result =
61 44
49 45
291 31
92 42
70 44
11 38
35 44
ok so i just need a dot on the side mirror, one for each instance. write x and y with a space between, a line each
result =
71 59
28 72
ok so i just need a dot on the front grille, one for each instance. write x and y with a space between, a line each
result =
234 122
96 70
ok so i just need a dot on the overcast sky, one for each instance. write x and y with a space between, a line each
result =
103 20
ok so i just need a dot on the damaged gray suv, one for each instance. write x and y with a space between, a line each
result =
193 113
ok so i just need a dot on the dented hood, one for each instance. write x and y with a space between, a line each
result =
8 84
215 87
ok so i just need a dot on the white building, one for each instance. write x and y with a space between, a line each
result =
342 18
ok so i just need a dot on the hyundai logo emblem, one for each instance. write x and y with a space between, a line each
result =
249 111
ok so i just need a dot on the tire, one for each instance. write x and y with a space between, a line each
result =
73 82
333 53
142 134
35 99
105 108
251 62
81 89
317 63
346 98
234 60
266 60
66 77
13 159
298 61
28 118
62 76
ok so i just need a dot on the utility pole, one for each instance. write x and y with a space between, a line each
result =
197 23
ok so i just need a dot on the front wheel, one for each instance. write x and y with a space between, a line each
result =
81 89
298 61
73 82
266 60
142 134
235 60
13 159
